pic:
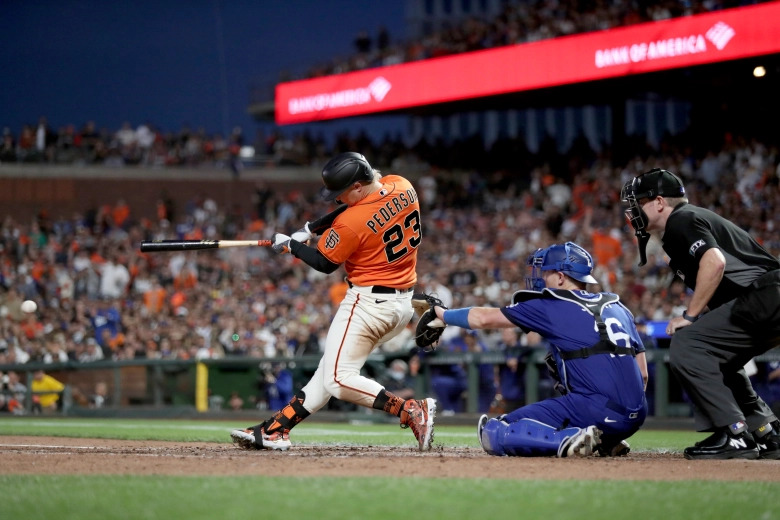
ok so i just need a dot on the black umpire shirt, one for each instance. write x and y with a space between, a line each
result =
690 231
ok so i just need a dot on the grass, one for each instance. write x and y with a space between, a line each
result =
88 497
308 432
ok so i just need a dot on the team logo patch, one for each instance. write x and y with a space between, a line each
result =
696 245
332 240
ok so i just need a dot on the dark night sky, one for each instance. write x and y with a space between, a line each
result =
169 63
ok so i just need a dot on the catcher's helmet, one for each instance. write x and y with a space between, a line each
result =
342 171
569 258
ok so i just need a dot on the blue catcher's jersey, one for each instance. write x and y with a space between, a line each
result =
568 326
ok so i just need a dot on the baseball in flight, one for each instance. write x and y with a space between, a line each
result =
29 306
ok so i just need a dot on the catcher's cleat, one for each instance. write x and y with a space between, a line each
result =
582 444
418 415
621 449
247 440
481 426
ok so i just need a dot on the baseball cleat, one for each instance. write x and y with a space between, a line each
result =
769 447
582 444
723 446
419 415
246 439
481 426
621 449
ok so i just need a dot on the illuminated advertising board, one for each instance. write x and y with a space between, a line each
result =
681 42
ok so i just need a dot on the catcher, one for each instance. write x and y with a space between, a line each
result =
375 233
595 353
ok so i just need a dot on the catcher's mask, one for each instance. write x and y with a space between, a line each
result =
343 171
569 258
649 185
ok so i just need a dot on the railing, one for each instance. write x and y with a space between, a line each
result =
164 384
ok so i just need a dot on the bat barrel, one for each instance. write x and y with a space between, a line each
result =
178 245
194 245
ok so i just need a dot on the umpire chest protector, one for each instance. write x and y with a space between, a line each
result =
603 345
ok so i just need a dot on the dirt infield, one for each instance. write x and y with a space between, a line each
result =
70 456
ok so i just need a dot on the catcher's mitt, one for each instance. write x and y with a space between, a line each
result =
429 327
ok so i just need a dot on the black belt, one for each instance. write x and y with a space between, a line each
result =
381 289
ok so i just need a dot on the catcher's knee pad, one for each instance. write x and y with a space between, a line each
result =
531 438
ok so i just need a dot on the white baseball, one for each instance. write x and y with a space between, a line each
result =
29 306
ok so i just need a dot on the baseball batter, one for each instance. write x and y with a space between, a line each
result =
375 233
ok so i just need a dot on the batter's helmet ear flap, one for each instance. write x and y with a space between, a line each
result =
342 171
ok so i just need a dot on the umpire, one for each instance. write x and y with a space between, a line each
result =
733 314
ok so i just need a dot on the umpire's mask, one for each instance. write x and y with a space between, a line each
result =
649 185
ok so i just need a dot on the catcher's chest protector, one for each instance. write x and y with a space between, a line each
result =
594 307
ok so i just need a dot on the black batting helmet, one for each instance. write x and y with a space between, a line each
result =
342 171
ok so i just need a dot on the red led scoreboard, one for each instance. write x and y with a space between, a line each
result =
681 42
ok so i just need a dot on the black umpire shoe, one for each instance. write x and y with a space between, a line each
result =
723 445
769 446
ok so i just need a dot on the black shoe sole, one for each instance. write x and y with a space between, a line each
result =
741 454
770 455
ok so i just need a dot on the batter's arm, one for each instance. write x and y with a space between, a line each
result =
312 257
324 222
711 268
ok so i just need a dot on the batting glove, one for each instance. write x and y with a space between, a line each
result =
303 235
281 243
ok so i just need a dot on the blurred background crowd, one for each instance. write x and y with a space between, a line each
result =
100 298
485 209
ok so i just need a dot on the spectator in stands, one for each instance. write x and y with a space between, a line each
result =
277 385
511 375
235 402
100 398
398 380
46 392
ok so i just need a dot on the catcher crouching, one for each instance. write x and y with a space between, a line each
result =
595 351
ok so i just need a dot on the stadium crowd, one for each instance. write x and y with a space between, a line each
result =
100 298
146 145
519 21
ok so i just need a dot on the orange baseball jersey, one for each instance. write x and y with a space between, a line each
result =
377 238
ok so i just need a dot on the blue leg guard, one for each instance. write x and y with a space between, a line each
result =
524 438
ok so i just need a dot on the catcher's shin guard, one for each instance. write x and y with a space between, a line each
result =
524 438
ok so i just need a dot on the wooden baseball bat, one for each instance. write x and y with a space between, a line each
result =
154 246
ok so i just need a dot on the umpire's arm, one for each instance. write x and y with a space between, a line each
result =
711 268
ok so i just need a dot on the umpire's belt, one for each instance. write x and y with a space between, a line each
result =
381 289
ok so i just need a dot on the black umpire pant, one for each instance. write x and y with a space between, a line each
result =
708 358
